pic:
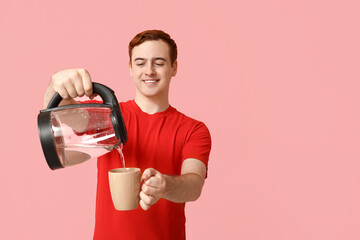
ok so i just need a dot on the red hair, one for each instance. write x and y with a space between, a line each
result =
154 35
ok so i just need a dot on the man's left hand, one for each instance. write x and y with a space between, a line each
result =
153 189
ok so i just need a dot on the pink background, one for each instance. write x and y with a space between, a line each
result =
276 82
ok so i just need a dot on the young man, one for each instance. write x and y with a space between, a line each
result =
170 148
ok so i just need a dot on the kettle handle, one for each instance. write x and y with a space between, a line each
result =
106 93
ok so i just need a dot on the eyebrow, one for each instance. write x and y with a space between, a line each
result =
157 58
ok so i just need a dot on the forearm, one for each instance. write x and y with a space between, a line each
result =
183 188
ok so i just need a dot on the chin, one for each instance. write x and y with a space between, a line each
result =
149 94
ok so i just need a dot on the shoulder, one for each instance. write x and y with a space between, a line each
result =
189 120
125 105
193 125
197 141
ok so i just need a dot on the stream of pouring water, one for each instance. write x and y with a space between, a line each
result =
122 158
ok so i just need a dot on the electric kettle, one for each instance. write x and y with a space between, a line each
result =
75 133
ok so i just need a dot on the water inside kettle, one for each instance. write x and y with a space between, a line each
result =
78 153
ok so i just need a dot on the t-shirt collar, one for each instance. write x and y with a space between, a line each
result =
164 113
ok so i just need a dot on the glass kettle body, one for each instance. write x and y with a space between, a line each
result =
73 134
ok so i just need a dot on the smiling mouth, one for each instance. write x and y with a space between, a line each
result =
151 80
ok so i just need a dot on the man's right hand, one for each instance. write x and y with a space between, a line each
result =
69 83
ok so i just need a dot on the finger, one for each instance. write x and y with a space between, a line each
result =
149 190
59 88
149 200
93 96
154 182
79 88
144 205
63 93
70 88
86 81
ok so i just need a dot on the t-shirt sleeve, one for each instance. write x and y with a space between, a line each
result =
198 144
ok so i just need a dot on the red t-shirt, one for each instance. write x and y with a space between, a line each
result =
161 141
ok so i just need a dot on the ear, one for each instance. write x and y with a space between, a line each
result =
174 68
130 69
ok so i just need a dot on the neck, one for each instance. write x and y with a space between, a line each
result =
152 105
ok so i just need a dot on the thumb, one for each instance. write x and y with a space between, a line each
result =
148 173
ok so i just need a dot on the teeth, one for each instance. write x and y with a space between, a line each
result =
150 81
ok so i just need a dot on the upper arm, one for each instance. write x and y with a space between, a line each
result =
195 153
193 165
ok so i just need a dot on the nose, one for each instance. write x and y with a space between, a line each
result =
149 69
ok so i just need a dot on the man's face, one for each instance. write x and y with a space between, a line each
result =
151 68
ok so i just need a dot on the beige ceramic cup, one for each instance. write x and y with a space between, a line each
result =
125 187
